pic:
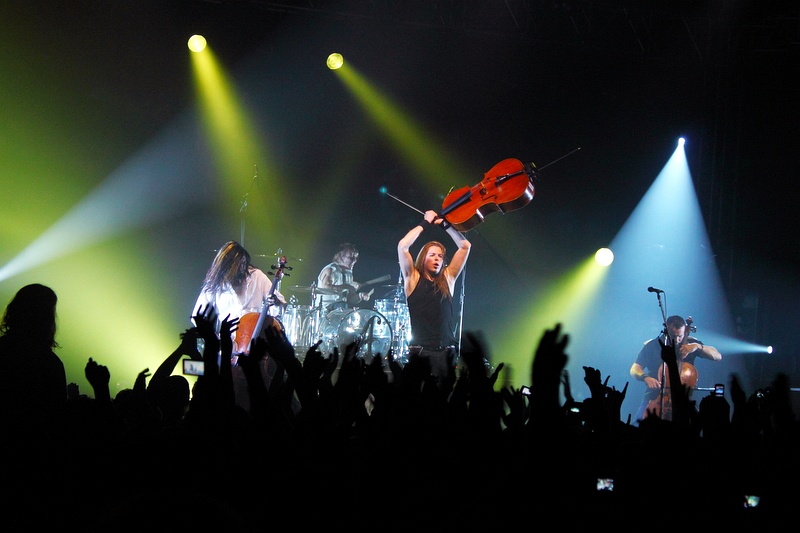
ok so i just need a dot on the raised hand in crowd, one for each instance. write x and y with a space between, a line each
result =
282 372
549 362
134 410
485 405
517 413
317 373
602 410
206 393
98 377
205 319
226 330
169 393
682 406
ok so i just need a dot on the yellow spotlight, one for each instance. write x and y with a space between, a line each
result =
335 61
604 257
197 43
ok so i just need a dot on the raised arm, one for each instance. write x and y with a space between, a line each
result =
460 256
404 258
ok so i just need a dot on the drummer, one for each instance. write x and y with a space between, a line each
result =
336 282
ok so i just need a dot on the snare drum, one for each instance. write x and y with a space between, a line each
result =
343 326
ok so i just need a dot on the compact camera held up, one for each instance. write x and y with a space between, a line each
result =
193 368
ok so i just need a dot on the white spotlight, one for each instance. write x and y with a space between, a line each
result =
197 43
604 257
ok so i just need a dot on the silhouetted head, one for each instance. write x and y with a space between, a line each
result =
31 316
172 399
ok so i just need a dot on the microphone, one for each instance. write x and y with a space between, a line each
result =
653 289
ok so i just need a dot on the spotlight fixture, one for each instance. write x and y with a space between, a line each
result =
197 43
335 61
604 257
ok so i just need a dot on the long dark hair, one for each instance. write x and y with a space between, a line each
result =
229 269
31 316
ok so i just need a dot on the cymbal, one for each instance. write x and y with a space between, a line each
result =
316 290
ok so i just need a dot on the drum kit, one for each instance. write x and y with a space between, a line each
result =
386 326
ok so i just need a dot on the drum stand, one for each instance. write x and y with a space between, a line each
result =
399 324
310 326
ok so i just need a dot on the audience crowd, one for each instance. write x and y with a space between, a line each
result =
333 441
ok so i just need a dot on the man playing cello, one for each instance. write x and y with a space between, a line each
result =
648 366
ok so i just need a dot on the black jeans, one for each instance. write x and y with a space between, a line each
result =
440 360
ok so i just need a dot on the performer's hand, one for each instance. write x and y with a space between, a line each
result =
652 383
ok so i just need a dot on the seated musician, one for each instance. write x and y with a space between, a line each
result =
648 366
336 280
237 289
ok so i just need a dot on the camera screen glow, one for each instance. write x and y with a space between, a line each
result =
751 500
605 483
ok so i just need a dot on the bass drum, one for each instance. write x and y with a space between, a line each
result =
344 326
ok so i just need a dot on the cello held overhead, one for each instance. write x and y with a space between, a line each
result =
506 187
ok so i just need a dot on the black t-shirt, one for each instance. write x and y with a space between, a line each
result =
431 316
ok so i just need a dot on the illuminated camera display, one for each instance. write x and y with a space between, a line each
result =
193 368
605 484
751 500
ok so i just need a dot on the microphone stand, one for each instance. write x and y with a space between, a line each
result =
461 311
664 368
243 207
